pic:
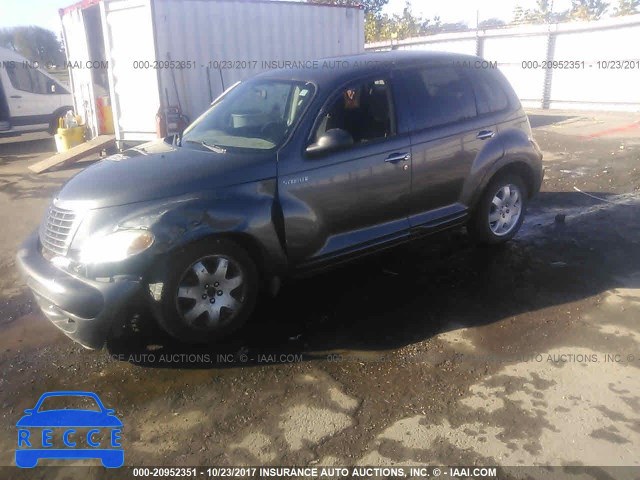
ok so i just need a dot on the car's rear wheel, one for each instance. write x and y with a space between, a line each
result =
209 292
500 210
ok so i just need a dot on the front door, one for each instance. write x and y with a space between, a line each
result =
339 202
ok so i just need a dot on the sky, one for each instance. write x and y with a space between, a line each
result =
44 13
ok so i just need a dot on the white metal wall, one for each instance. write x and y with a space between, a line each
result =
465 46
463 42
591 87
231 30
604 88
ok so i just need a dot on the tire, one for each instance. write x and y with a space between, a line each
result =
198 303
487 224
52 129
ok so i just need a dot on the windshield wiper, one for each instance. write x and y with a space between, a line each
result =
213 148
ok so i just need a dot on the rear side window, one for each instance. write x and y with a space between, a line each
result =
438 96
20 78
490 96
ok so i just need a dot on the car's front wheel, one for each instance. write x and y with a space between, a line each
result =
210 290
500 210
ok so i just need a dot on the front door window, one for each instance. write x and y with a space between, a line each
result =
363 110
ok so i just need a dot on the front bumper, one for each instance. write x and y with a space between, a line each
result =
83 309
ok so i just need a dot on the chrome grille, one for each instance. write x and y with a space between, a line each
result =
57 230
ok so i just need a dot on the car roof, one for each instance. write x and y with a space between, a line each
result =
335 70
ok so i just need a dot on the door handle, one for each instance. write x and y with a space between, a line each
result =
398 157
16 96
484 134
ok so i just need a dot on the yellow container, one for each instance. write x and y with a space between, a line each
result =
67 138
108 121
105 115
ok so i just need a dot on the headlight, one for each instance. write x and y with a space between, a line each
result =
116 247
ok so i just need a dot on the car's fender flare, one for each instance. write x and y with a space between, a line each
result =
246 220
517 156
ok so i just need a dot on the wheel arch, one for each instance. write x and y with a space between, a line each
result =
257 253
249 244
516 166
523 170
178 224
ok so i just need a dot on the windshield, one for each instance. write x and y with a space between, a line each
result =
257 115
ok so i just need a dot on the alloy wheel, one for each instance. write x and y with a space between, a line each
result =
505 210
210 292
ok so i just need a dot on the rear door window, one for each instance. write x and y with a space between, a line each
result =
490 96
439 96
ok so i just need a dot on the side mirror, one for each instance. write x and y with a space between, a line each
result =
330 141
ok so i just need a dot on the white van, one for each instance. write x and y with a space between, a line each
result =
30 98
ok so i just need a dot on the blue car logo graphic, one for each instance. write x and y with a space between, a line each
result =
32 446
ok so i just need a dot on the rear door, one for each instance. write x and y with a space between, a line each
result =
446 138
343 201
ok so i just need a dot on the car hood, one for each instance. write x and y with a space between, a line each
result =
159 170
69 418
